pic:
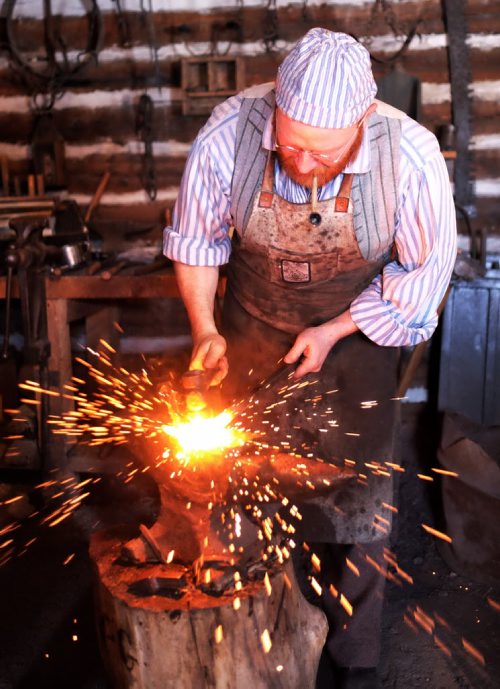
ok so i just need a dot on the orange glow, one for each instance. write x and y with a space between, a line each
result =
438 534
473 651
426 622
316 586
346 605
494 604
442 646
204 434
445 472
265 639
219 634
352 567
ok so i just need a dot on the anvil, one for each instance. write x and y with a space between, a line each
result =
189 497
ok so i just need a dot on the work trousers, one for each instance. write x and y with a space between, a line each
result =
351 575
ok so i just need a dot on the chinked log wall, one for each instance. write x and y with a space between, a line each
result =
97 113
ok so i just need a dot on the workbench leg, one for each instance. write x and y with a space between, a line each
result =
60 372
100 326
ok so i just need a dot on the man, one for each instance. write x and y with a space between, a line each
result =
344 242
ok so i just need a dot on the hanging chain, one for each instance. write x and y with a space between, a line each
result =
145 108
305 11
144 129
147 19
240 18
271 29
390 18
47 77
123 27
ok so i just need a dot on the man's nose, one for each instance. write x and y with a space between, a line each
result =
305 162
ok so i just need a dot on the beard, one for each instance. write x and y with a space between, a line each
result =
324 173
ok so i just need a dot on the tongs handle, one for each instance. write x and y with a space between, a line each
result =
283 370
280 372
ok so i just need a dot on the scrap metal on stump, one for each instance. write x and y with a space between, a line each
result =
180 609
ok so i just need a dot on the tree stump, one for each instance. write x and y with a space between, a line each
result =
262 636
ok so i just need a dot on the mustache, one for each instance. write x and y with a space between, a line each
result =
323 173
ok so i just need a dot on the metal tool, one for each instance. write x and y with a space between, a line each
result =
73 255
283 371
8 368
195 384
455 19
28 257
159 263
113 270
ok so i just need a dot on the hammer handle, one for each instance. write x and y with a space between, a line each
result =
97 196
108 274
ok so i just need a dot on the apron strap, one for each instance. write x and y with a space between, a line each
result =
342 200
267 190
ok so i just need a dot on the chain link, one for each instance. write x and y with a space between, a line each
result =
123 27
397 28
271 30
46 78
144 129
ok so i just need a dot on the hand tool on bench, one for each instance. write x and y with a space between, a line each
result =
113 270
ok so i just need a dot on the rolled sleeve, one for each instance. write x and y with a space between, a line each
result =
195 251
199 234
399 307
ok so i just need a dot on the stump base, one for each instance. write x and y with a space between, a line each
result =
153 638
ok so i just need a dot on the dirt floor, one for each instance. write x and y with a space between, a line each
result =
441 632
453 640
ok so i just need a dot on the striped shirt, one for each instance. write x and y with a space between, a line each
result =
399 307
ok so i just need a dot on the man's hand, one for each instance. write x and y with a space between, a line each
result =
198 287
209 352
314 344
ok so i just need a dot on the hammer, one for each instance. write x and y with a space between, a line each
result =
108 274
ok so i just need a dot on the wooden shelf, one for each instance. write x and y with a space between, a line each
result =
207 80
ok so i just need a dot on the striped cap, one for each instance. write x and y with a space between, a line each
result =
326 80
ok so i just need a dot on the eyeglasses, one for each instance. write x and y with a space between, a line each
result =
325 158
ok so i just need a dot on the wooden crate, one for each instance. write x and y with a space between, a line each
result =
208 80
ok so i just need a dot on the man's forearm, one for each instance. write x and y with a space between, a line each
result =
198 286
313 344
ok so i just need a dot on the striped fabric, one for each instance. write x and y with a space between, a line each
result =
374 194
399 307
326 80
250 157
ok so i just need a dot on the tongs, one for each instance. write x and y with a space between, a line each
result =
282 371
196 383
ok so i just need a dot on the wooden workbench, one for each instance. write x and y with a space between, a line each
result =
72 297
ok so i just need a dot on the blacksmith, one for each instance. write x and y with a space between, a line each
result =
334 215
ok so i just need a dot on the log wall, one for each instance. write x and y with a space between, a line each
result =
96 113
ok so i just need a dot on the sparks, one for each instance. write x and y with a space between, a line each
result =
346 605
265 640
438 534
493 603
204 434
473 652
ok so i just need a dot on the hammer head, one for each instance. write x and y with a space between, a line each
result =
195 384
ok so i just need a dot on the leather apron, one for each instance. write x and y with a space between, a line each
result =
286 274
